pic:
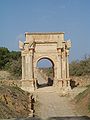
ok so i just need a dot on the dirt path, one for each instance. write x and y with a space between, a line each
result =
51 104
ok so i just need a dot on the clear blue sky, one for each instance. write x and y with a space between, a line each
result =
69 16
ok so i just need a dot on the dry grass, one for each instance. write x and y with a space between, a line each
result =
4 75
82 101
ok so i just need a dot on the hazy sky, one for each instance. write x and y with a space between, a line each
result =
69 16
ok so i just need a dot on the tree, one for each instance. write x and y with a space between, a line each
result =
10 61
14 64
4 57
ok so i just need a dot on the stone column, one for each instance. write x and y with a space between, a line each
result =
23 67
55 76
35 76
67 63
61 82
60 67
30 66
30 71
68 79
26 67
64 66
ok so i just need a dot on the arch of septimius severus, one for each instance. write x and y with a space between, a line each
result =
49 45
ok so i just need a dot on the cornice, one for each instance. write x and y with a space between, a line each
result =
43 33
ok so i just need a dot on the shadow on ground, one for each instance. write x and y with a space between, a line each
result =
42 85
58 118
70 118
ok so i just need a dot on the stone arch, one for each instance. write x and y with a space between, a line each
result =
49 80
45 57
45 45
49 57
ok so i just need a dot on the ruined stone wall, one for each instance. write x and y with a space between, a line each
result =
81 80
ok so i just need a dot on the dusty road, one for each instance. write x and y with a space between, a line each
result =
52 106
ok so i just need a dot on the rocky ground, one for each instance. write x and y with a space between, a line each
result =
13 102
82 101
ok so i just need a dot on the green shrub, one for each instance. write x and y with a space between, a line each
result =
4 57
10 61
80 68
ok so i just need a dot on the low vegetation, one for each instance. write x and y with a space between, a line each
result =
80 67
5 75
10 61
82 101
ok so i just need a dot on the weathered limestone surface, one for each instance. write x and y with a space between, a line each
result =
45 45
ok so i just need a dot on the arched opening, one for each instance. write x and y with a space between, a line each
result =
45 72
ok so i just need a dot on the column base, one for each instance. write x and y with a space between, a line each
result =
64 91
64 86
60 83
27 85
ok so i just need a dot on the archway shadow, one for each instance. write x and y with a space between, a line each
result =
42 85
49 83
73 83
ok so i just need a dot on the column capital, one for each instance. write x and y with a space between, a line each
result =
59 51
23 53
67 52
31 52
68 44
